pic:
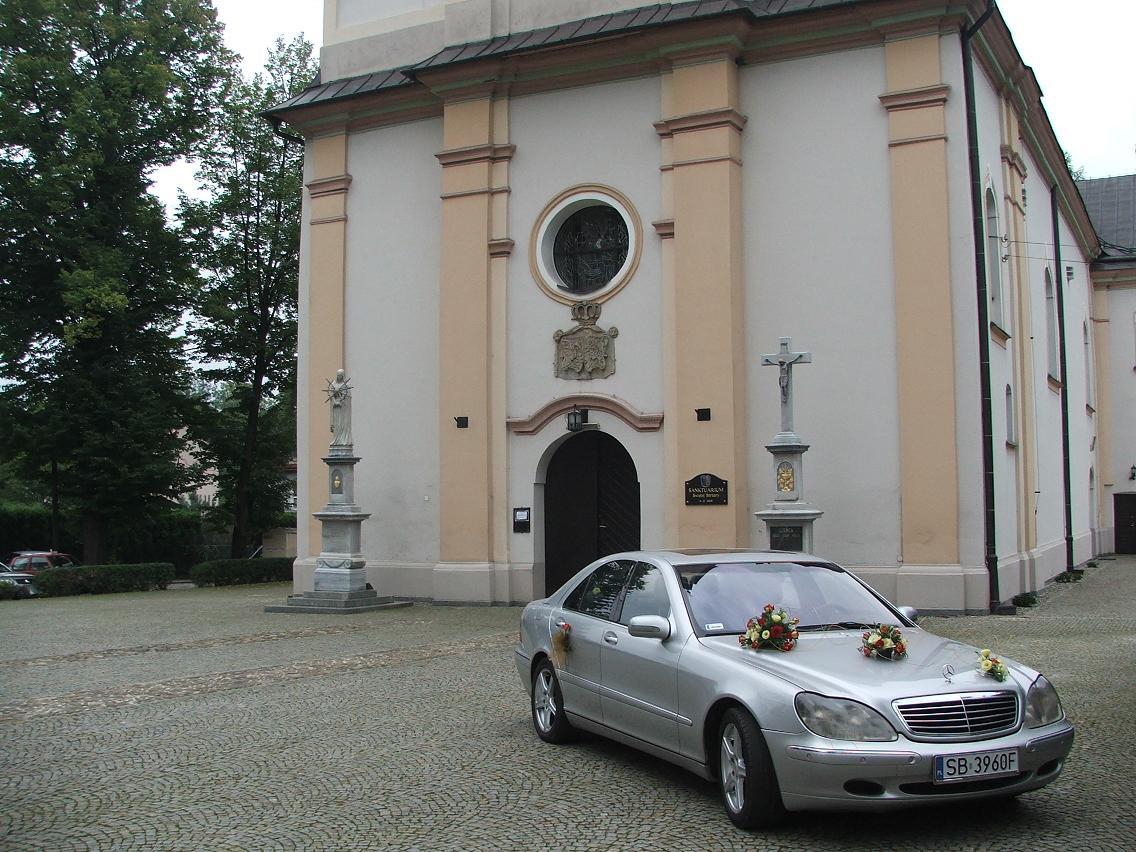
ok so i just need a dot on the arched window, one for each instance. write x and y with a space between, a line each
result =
1090 397
1051 326
994 261
1011 420
1094 517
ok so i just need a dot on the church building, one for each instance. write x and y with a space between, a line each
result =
550 243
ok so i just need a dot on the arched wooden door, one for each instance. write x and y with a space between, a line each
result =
591 505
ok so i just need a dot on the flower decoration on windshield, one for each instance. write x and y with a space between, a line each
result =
990 665
884 642
773 628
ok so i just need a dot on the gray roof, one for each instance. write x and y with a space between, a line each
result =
588 29
1111 203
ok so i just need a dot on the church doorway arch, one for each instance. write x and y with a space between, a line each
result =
591 504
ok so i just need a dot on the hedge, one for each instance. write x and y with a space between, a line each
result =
26 527
8 591
174 535
235 572
102 579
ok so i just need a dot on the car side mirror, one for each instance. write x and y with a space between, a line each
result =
910 613
649 626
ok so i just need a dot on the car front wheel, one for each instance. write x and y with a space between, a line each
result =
749 784
551 724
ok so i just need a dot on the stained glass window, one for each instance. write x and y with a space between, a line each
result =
590 248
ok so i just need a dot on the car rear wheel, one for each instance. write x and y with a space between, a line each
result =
749 785
551 724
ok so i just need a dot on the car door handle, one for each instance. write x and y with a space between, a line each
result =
559 623
611 638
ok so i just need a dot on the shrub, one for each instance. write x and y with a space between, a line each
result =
102 579
234 572
1025 599
7 592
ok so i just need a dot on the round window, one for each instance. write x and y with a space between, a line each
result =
590 248
585 245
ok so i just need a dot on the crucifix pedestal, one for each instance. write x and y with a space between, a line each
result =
789 518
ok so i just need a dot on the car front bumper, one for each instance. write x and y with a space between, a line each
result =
815 773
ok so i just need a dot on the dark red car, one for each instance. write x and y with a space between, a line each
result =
31 561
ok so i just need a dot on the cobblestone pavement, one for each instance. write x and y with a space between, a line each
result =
192 720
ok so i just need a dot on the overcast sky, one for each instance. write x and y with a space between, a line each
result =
1085 62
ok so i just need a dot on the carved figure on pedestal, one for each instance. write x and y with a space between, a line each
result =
339 395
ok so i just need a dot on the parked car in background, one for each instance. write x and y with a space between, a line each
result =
24 583
645 648
32 561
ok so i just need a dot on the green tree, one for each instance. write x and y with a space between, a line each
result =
94 95
246 240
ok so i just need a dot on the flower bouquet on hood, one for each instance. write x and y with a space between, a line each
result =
773 628
884 642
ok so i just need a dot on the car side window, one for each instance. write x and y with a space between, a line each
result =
21 562
596 595
41 562
646 594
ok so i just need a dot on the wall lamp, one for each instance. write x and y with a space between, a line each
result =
576 419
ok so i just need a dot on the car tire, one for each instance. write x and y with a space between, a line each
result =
746 777
547 706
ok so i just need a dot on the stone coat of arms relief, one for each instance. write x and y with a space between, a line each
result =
585 352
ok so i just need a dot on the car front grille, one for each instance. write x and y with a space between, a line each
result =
965 716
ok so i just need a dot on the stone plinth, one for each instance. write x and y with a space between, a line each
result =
337 603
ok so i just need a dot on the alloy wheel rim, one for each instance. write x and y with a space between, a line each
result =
733 769
544 700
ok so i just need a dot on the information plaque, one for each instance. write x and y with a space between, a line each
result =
786 538
706 489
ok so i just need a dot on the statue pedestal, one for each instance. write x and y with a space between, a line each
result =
341 577
790 526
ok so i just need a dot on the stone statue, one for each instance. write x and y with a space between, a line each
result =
339 395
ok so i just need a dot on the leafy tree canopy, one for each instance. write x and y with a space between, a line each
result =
94 94
245 237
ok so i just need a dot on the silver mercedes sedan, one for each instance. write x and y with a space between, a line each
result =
644 648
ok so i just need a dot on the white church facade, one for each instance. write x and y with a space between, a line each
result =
522 211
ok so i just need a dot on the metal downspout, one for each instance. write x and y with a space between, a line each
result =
1059 281
989 525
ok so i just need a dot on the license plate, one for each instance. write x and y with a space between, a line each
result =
984 764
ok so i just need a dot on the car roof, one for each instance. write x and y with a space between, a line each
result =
701 556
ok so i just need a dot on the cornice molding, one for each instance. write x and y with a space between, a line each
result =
490 153
501 247
633 417
921 98
1013 159
665 228
322 187
705 120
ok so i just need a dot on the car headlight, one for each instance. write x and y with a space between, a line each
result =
1043 707
842 719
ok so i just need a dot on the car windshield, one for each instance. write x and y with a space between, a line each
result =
723 597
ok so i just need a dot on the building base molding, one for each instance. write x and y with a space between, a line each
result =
481 583
439 583
932 589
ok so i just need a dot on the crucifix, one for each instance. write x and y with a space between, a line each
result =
785 360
